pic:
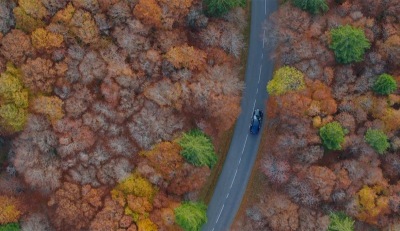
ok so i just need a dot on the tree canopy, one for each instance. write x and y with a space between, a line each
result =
377 139
332 135
286 79
340 222
349 44
385 84
198 148
191 216
221 7
312 6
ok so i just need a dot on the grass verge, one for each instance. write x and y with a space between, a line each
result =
225 140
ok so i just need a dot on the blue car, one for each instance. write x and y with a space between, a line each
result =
256 121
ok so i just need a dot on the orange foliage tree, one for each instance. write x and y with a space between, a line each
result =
75 206
9 211
187 57
149 12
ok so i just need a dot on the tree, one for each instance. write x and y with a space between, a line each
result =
277 171
191 216
313 6
286 79
83 26
39 75
50 106
34 8
43 39
9 210
74 206
372 204
149 12
332 135
10 227
377 140
340 222
187 57
385 85
13 111
25 22
146 225
198 148
135 185
16 47
349 44
221 7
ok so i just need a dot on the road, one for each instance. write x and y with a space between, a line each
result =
242 153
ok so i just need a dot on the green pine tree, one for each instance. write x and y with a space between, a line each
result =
312 6
349 44
332 135
191 216
377 140
198 148
340 222
384 85
221 7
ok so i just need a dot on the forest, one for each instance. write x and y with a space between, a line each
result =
110 110
329 157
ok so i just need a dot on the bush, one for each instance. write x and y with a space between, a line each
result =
349 44
198 148
221 7
377 140
340 222
10 227
312 6
286 79
385 85
191 216
332 135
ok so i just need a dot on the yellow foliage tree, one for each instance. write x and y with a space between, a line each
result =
372 204
13 100
9 210
187 57
25 22
50 106
137 186
43 39
146 225
84 27
64 16
34 8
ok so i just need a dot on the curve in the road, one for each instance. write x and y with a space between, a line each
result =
242 153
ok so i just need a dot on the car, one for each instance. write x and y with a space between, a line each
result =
256 121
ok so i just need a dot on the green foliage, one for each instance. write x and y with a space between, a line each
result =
312 6
286 79
221 7
385 85
340 222
332 135
349 44
14 100
377 140
10 227
198 148
191 216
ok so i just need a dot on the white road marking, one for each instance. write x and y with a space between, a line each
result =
259 75
227 195
245 143
240 159
264 39
254 104
233 180
262 55
265 6
213 229
220 213
257 91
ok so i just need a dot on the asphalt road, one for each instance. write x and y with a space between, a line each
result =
242 153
